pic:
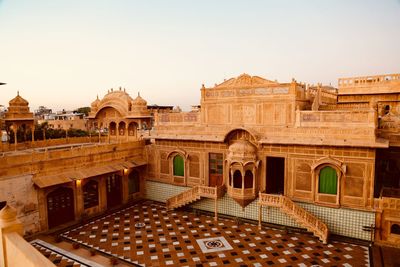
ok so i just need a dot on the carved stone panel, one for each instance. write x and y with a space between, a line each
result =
268 113
216 114
280 114
244 114
303 176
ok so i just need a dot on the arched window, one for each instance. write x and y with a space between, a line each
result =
90 194
237 179
248 179
387 110
179 166
121 128
395 229
113 128
132 127
328 181
134 182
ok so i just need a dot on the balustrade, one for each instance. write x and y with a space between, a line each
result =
301 215
193 194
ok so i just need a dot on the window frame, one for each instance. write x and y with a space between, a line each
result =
326 199
91 203
174 171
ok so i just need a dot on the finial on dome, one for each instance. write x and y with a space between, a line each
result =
18 92
112 90
120 88
97 96
138 93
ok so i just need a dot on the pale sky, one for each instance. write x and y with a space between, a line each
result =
61 54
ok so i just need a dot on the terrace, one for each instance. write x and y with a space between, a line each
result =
146 234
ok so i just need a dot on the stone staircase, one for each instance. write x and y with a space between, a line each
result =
193 194
300 215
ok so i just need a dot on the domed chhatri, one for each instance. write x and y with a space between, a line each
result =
18 116
18 101
120 114
243 150
139 101
96 102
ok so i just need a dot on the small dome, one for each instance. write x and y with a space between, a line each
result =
242 150
18 101
96 102
7 213
242 146
139 101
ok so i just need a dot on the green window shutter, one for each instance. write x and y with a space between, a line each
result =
328 181
179 166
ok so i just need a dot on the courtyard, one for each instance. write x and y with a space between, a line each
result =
148 235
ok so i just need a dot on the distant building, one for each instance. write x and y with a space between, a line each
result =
66 120
41 112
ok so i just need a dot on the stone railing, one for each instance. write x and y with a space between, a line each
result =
337 119
15 251
52 142
270 200
193 194
387 203
367 80
241 192
327 95
245 92
345 106
302 216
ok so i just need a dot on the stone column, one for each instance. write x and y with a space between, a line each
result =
15 128
126 131
109 131
125 185
117 132
254 180
33 133
78 199
99 129
242 183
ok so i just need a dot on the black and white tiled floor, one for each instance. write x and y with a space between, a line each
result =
148 235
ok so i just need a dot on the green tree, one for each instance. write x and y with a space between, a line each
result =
84 110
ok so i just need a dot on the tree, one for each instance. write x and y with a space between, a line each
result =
84 110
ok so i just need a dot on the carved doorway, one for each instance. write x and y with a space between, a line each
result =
275 180
114 192
60 206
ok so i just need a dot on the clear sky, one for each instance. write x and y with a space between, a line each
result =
61 54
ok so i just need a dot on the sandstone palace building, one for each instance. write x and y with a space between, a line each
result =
305 156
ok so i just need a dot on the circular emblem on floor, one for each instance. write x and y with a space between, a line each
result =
214 244
139 225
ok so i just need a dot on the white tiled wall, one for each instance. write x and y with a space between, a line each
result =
341 221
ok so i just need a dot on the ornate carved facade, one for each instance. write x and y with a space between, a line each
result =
119 115
286 145
313 144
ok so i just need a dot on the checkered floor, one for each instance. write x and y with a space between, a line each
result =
148 235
